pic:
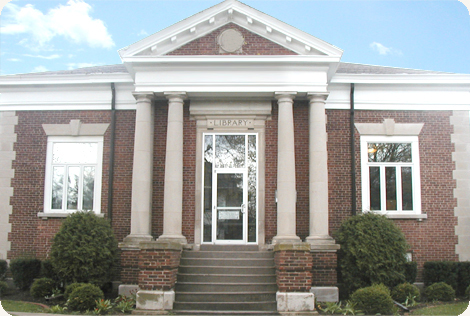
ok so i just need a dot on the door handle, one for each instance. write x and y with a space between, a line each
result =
243 208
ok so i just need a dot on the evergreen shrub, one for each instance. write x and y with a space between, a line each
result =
3 269
84 297
402 291
42 287
373 250
24 271
84 249
3 288
467 292
411 271
440 291
456 274
69 289
373 300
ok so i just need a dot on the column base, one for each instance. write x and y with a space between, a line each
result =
324 243
286 240
133 241
172 239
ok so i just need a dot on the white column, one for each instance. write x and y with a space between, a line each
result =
173 191
318 162
286 190
142 172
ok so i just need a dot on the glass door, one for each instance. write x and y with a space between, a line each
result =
230 188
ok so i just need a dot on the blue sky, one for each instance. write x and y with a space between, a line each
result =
49 35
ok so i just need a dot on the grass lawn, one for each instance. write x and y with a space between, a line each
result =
18 306
445 309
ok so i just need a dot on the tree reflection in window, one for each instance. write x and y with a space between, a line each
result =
389 152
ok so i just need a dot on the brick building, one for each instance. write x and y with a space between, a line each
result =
233 128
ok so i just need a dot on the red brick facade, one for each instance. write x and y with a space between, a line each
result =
158 268
293 270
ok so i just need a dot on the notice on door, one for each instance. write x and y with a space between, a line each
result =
229 215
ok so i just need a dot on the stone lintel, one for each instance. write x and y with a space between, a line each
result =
160 245
301 246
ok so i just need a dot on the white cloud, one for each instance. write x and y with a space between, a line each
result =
71 21
53 56
13 59
383 50
142 33
80 65
39 69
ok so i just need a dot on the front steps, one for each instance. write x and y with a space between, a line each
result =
226 280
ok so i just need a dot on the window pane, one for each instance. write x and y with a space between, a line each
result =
407 188
88 187
57 188
389 152
75 153
208 162
391 188
374 180
252 188
72 188
230 151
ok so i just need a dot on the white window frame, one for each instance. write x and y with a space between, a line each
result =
51 140
415 165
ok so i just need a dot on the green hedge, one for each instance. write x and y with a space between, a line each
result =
24 271
456 274
3 269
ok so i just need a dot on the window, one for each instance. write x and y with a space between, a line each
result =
73 174
390 175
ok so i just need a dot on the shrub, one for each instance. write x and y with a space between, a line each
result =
84 297
405 290
411 271
84 249
467 292
42 287
69 289
439 292
373 300
372 251
24 271
3 287
456 274
3 269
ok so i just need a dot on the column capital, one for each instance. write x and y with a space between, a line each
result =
143 96
317 96
285 95
171 95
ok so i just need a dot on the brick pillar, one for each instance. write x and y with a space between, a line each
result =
324 271
293 267
158 265
130 266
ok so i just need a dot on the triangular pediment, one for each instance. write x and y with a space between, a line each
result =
284 38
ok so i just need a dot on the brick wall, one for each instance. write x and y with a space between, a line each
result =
130 266
271 176
158 269
254 44
431 239
293 270
324 272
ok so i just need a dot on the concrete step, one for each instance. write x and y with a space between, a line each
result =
226 306
226 297
227 278
229 248
226 270
224 313
227 254
234 262
223 287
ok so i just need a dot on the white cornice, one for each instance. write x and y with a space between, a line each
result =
230 11
66 79
433 78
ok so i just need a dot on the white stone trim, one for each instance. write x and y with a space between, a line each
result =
155 300
389 128
75 128
295 302
8 121
461 157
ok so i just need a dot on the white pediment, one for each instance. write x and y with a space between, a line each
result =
229 11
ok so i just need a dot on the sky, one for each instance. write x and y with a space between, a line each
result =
51 35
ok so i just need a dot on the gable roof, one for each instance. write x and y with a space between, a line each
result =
230 11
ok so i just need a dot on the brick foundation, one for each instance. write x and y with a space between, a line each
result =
293 267
324 271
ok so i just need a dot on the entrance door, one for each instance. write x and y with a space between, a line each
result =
230 189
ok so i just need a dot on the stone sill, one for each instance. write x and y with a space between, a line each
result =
46 215
418 217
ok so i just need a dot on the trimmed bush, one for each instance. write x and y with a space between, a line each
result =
439 292
373 300
42 287
24 271
69 289
456 274
3 269
402 291
3 288
84 249
467 292
411 271
84 297
373 250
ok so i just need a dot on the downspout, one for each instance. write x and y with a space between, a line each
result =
353 157
111 153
